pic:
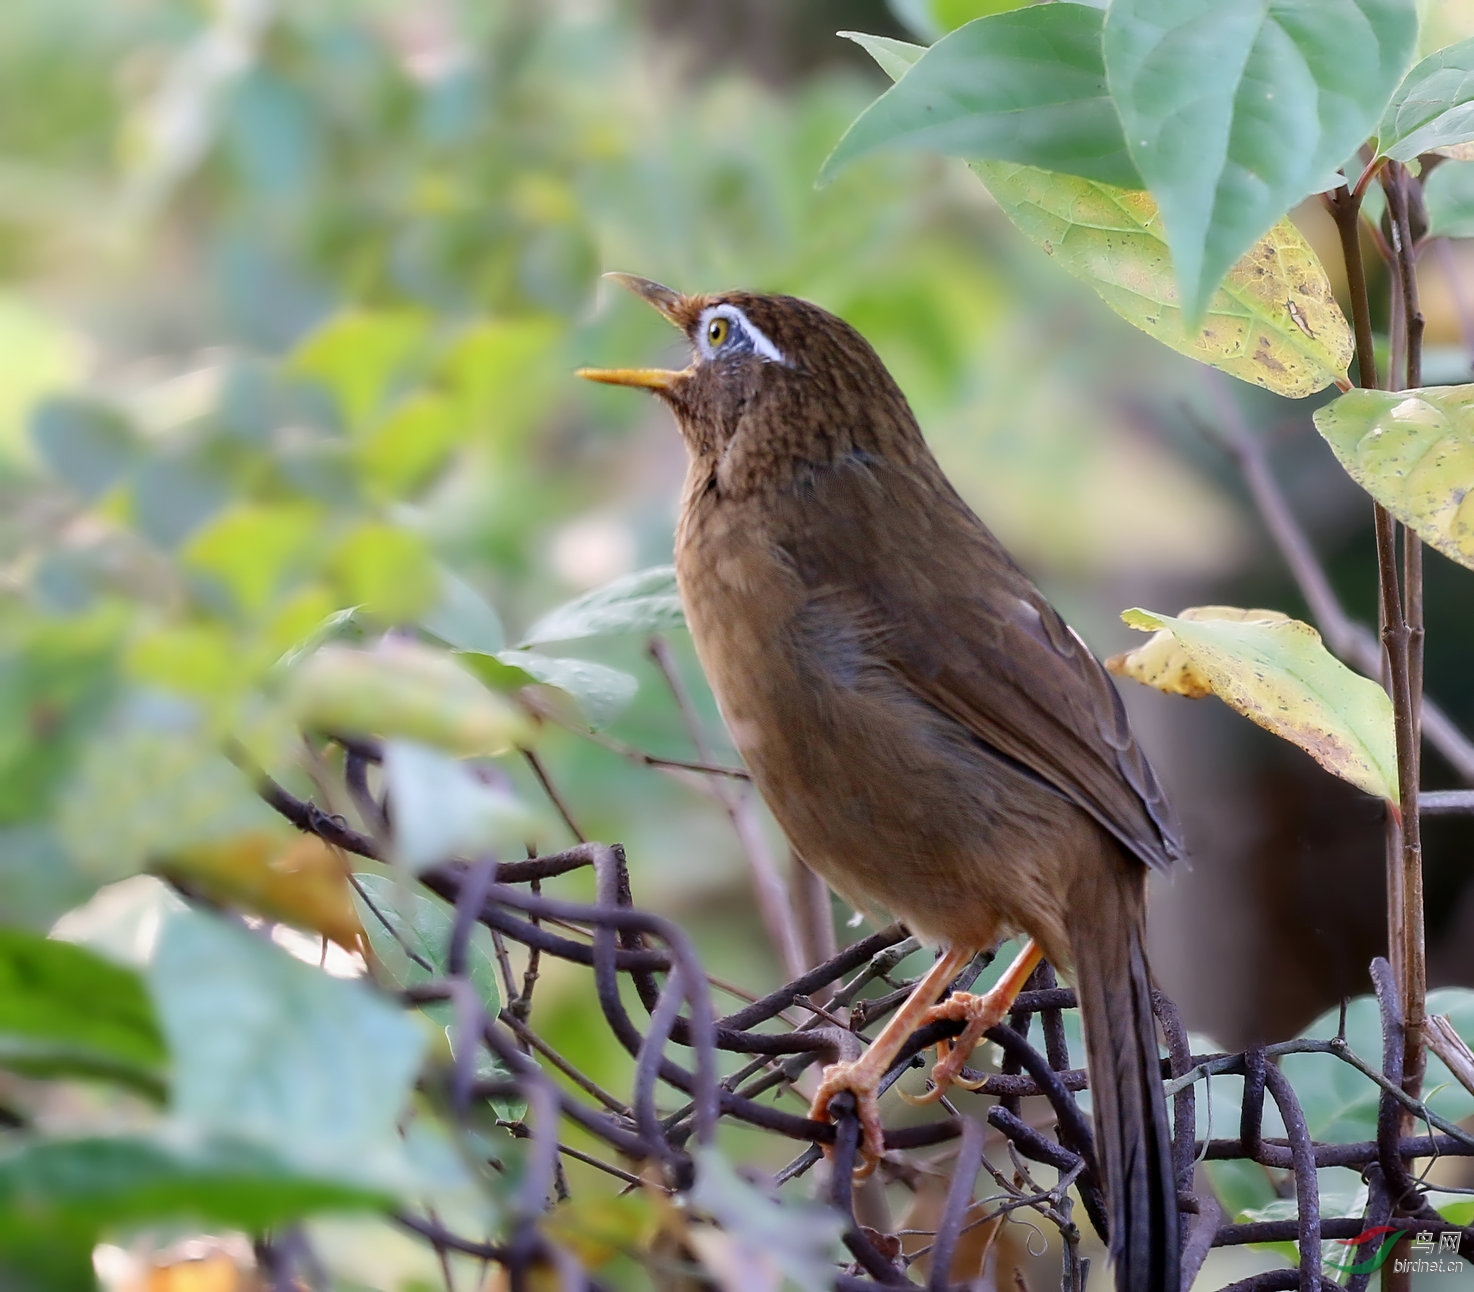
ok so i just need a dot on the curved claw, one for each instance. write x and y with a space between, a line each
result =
930 1096
854 1078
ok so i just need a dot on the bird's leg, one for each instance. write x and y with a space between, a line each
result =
979 1013
862 1076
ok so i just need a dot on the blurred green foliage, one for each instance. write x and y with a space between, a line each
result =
290 299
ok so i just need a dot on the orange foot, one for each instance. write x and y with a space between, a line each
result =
978 1013
861 1080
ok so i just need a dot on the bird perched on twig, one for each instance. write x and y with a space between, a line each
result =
930 734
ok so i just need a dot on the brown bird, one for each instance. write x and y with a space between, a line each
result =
930 734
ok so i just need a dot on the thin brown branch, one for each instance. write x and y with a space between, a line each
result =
768 887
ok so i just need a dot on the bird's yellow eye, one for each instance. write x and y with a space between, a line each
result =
717 331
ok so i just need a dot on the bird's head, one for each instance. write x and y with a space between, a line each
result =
772 379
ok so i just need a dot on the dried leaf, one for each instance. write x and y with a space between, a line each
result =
297 879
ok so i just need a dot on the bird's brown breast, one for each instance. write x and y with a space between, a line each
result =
897 804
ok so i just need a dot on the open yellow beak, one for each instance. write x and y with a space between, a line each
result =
650 378
675 307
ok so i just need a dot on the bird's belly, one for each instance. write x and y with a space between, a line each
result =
895 804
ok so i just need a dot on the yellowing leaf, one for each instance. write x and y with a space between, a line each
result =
1276 672
1413 451
296 879
404 688
1165 664
1274 321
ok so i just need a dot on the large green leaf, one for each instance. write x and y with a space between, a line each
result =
1340 1103
64 1010
462 619
1273 321
1234 112
1448 193
1413 451
644 602
1433 107
1026 86
603 693
59 1197
1275 671
409 931
268 1049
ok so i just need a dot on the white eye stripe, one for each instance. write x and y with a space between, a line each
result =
738 320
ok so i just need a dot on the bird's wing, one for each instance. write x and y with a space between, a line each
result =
944 605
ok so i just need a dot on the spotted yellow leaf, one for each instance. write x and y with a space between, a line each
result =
1276 672
1274 321
1163 662
1413 451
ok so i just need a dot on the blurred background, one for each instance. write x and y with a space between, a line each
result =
290 301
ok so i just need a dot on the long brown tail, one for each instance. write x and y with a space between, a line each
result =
1132 1139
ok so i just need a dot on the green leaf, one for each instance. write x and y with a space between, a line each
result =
87 444
1026 86
894 57
1433 107
256 549
1413 451
1448 194
504 372
1234 112
64 1010
414 948
271 1050
1273 322
1275 671
38 878
403 688
462 618
443 809
385 570
952 14
404 450
59 1197
357 354
602 693
1340 1103
644 602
